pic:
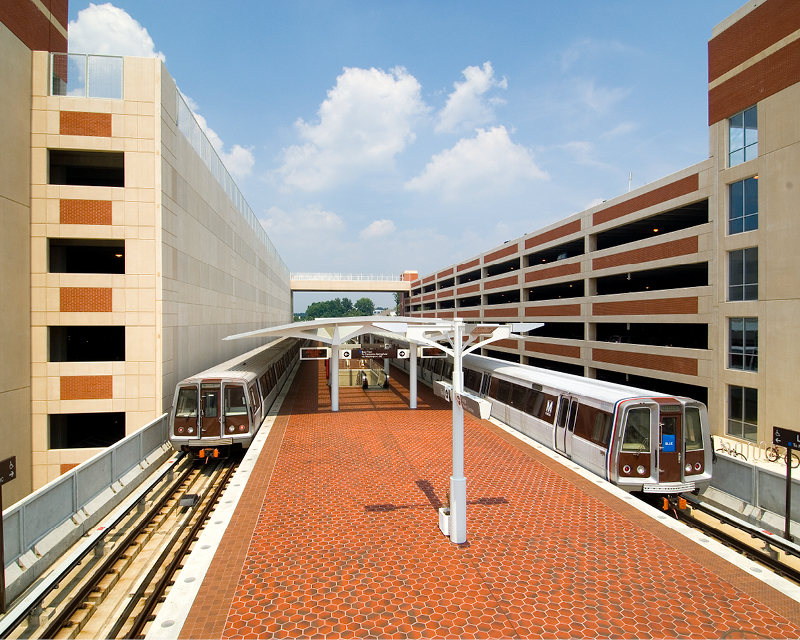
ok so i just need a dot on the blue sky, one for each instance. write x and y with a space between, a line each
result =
374 137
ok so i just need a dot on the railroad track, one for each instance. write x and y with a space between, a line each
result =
112 589
777 554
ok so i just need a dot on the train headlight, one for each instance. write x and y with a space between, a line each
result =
231 428
626 469
688 467
698 466
640 470
190 429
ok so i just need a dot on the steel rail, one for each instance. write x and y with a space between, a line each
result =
757 554
61 619
161 586
28 603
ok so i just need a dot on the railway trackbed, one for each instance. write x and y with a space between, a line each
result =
772 551
113 588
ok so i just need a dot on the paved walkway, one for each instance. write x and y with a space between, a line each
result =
337 535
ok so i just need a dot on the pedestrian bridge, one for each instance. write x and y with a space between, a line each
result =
353 282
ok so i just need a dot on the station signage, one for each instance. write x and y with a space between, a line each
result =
430 352
373 352
473 405
8 469
785 438
315 353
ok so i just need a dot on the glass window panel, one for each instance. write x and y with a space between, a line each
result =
750 188
105 77
736 262
751 124
735 405
751 222
235 401
737 157
751 265
737 200
736 226
748 292
750 405
186 407
750 152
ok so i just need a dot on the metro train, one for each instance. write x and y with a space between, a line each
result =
223 407
639 440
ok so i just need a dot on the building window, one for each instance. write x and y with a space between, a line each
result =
743 141
743 413
743 274
743 344
743 209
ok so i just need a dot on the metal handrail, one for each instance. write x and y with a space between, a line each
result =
349 277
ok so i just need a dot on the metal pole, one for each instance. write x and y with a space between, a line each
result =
412 375
335 377
787 533
2 557
458 483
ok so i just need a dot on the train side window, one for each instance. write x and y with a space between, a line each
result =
693 431
493 387
602 428
470 379
563 408
637 430
254 398
437 368
517 396
265 388
533 403
447 372
503 391
235 402
186 406
584 421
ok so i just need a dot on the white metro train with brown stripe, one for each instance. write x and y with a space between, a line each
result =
222 408
639 440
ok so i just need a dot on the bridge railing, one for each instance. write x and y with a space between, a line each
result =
348 277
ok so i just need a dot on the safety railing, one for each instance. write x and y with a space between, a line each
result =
191 129
84 75
28 521
348 277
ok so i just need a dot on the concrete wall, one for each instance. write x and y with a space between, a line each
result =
15 372
218 278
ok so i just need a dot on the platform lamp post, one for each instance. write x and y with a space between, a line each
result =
463 342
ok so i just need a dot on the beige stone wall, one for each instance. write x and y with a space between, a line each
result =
218 277
194 270
15 385
777 239
133 295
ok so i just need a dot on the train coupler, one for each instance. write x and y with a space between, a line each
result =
673 502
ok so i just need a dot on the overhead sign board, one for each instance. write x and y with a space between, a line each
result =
785 437
8 469
430 352
373 352
315 353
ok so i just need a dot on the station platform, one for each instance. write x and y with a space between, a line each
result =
332 530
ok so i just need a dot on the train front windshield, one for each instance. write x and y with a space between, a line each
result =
186 407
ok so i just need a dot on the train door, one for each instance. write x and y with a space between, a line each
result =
670 446
565 424
210 425
187 417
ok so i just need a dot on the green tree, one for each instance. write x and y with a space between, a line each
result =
365 306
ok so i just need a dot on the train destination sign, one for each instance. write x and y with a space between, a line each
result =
8 469
373 352
430 352
315 353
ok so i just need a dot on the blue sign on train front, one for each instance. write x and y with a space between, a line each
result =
668 444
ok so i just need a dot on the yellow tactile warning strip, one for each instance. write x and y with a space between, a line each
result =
338 536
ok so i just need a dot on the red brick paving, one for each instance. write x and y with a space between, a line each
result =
345 542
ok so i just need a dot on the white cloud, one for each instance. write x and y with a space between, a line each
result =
487 164
466 107
623 128
364 122
106 29
239 160
302 223
589 48
583 152
598 99
377 229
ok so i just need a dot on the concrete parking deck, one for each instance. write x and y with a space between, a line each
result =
336 535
